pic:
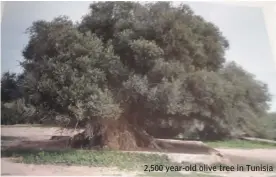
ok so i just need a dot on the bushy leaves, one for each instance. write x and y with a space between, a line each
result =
151 64
73 81
17 112
269 122
10 87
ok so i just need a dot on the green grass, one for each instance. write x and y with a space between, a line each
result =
122 160
240 144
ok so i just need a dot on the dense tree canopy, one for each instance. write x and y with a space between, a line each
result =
10 87
149 67
269 123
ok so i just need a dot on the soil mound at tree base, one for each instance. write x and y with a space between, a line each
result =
166 145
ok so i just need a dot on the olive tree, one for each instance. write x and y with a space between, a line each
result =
130 69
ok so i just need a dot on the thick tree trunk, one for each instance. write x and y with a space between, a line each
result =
114 134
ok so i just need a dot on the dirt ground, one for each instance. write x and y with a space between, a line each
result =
14 134
18 169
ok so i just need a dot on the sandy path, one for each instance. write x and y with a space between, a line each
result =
263 155
19 169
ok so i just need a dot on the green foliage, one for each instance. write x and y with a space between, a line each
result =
17 112
10 87
14 109
71 79
269 123
148 64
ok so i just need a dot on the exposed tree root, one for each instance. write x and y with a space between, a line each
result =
118 135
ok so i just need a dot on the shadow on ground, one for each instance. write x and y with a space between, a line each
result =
12 138
6 174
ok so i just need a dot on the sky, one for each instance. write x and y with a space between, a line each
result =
244 27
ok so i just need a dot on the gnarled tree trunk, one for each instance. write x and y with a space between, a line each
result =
114 134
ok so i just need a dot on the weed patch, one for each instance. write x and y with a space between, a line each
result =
122 160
